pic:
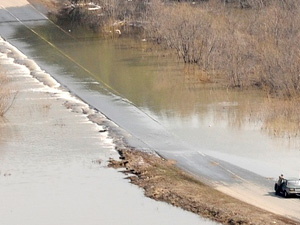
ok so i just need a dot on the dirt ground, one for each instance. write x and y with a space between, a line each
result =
163 181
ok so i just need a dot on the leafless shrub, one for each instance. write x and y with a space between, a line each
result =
186 29
242 67
239 66
279 50
259 47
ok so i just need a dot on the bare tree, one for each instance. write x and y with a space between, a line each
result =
279 50
186 29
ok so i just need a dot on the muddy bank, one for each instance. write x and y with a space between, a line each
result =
163 181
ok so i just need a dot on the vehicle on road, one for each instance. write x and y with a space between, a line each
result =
288 187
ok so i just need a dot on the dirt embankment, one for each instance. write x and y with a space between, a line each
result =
163 181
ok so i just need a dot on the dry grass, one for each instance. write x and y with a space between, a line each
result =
282 117
163 181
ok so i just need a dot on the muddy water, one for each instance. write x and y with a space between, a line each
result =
149 96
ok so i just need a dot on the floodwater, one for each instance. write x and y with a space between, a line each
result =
209 131
53 162
147 94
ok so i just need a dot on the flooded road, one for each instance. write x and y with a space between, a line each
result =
53 160
149 96
207 130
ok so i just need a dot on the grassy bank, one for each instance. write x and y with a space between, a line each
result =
163 181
